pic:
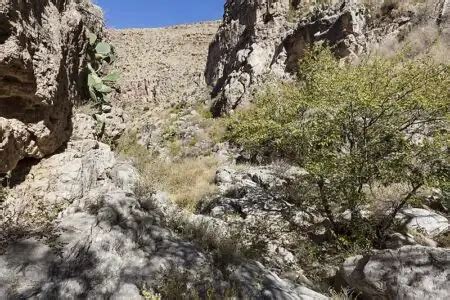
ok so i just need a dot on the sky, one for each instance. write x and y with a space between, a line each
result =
159 13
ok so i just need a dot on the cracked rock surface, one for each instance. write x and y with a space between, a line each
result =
103 242
41 61
411 272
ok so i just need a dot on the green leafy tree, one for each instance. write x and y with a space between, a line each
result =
351 126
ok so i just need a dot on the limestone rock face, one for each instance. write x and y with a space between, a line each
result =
411 272
262 39
161 67
74 229
105 242
41 63
244 48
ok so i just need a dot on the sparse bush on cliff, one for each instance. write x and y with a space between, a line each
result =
380 122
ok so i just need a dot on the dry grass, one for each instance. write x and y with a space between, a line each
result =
187 180
426 40
395 8
87 109
384 198
421 40
344 294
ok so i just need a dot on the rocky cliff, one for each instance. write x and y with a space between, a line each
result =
262 39
41 74
162 66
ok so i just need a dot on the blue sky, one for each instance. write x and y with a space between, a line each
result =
158 13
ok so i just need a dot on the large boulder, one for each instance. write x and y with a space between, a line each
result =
411 272
423 220
269 286
42 46
261 40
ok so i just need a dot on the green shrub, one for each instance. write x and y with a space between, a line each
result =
382 121
100 55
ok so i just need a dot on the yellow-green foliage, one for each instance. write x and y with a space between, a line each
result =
187 180
148 295
384 120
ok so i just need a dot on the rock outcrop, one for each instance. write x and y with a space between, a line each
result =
411 272
75 229
244 48
104 242
252 202
41 74
262 39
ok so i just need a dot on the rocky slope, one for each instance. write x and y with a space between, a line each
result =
161 71
162 67
79 224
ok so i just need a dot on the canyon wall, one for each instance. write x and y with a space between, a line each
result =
42 46
262 39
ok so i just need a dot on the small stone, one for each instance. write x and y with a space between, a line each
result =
426 221
106 108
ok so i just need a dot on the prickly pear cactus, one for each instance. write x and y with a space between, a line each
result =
99 83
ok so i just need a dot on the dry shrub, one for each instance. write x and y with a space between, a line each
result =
19 219
343 294
424 38
395 8
384 198
187 180
421 40
444 240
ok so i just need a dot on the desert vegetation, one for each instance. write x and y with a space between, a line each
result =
187 180
355 128
100 80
